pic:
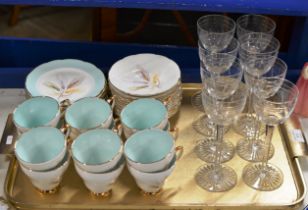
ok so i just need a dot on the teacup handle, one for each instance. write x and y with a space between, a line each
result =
179 150
166 101
67 132
117 127
111 101
174 132
63 106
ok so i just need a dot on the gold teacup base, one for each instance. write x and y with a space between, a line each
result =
103 194
48 192
150 194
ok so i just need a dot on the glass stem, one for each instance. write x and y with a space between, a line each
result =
250 111
219 140
249 108
256 134
213 128
269 130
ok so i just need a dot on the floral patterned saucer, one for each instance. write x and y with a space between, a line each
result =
144 74
66 79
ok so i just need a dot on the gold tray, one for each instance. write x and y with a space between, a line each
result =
180 190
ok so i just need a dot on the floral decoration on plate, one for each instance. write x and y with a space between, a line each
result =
144 74
66 79
144 79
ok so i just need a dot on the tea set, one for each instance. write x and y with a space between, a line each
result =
86 132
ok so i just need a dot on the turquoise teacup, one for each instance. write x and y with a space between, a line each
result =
36 112
40 148
143 114
150 150
97 150
87 114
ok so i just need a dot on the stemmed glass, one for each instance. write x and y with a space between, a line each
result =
258 52
222 75
272 111
215 31
217 177
203 124
254 23
265 86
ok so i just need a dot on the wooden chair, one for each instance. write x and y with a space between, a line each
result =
14 16
105 26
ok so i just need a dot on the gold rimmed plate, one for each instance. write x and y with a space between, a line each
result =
67 79
144 75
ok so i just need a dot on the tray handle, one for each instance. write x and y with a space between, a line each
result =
295 140
8 137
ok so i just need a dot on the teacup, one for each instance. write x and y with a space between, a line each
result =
40 148
143 114
154 181
150 150
36 112
97 150
48 180
87 114
100 183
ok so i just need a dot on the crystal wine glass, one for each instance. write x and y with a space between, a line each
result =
215 31
266 86
221 80
231 49
203 124
272 111
217 177
254 23
257 53
222 74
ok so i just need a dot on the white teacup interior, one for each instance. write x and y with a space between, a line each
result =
40 145
148 146
96 146
144 113
88 113
35 112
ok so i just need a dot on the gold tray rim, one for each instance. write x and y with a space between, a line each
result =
293 162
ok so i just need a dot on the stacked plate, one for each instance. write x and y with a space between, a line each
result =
146 76
67 79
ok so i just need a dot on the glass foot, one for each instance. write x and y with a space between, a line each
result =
206 150
218 179
244 123
196 101
265 179
204 126
253 152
